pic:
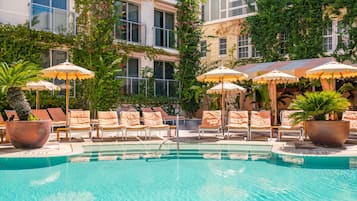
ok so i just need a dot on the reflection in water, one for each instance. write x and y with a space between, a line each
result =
52 178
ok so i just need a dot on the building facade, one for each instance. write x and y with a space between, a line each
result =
142 22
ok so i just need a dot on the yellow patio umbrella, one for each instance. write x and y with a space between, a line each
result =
67 71
222 74
331 71
272 79
40 86
228 87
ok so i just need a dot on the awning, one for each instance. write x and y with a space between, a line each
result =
294 67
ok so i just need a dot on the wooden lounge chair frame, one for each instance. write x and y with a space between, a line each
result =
211 121
108 122
287 125
260 121
238 121
153 121
131 122
79 121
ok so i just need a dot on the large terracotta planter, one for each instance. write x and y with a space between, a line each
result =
328 133
28 134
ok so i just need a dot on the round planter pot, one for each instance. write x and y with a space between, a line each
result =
28 134
328 133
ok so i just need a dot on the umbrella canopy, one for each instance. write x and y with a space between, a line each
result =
40 86
331 70
228 87
222 74
67 71
272 79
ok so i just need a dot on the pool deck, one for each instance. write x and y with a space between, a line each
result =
290 146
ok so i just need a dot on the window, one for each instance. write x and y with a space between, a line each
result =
255 52
128 28
203 46
342 34
220 9
130 73
222 46
52 15
243 47
165 85
282 43
164 29
327 39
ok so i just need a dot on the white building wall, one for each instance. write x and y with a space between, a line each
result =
147 18
14 11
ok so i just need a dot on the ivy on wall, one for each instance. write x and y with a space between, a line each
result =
286 27
292 30
189 34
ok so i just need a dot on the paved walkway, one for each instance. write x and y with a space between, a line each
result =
290 146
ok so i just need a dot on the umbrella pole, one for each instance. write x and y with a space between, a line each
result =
37 100
222 106
67 97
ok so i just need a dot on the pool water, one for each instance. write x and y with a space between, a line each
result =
172 179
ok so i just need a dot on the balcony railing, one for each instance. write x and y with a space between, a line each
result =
164 37
155 87
129 31
52 19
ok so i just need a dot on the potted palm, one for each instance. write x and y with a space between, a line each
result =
316 108
25 133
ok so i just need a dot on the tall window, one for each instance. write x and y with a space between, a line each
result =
327 39
128 28
342 34
220 9
222 46
131 76
203 46
243 46
164 29
165 85
52 15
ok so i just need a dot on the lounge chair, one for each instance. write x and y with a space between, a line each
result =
238 121
146 109
79 123
131 122
42 114
108 123
351 116
211 121
154 122
166 117
260 121
10 113
287 125
57 114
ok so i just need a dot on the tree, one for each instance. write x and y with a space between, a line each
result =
12 78
189 33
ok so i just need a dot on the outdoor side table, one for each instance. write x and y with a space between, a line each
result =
58 130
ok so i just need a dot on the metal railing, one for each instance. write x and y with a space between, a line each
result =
129 31
164 37
52 19
155 87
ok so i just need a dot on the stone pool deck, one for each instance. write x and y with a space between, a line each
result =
289 146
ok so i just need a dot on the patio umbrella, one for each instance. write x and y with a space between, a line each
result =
272 79
40 86
67 71
331 70
222 74
228 87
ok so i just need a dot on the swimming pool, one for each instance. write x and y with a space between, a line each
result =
203 173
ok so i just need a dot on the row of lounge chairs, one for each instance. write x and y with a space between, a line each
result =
260 121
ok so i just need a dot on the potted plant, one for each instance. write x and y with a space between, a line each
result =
316 108
25 133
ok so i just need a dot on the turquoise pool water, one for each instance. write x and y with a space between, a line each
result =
169 178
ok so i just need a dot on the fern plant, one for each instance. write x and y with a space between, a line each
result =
315 105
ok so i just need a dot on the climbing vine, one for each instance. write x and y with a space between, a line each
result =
189 33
